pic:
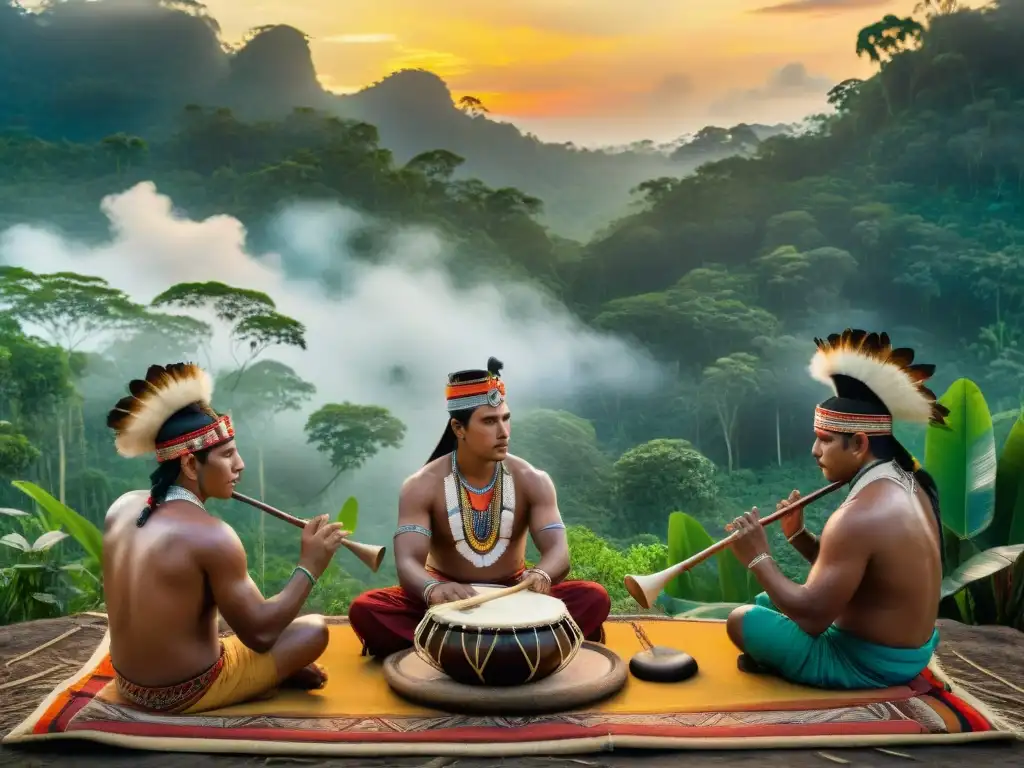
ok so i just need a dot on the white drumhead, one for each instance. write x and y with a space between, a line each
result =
521 609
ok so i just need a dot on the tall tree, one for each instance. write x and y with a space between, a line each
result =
255 324
70 309
351 434
727 383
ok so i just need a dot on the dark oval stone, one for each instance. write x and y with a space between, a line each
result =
663 665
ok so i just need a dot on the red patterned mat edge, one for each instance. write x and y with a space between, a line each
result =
64 715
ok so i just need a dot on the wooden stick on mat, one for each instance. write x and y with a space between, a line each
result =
42 647
991 674
30 678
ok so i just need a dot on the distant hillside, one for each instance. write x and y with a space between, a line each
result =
83 70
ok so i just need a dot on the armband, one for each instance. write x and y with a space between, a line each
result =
552 527
310 576
413 529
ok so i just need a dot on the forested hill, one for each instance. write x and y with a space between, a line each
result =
902 211
83 70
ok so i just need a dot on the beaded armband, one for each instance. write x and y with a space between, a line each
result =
414 529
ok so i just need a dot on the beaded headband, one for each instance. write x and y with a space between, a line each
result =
473 394
826 420
219 432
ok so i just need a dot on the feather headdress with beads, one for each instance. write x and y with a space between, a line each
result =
874 384
182 391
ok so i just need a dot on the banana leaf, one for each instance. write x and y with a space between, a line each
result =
691 609
1008 521
89 537
349 514
734 578
687 537
981 566
962 459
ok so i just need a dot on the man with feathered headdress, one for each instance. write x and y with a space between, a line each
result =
463 519
169 566
865 618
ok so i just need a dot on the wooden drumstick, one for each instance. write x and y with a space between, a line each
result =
475 600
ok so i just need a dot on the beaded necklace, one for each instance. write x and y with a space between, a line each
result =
480 526
178 493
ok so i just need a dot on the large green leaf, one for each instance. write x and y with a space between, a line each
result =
349 514
962 459
734 577
84 532
981 566
687 537
1008 521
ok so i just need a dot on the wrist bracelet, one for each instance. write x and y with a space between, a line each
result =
428 588
309 575
543 574
758 559
802 530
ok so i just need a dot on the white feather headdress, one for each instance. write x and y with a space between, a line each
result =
137 418
889 373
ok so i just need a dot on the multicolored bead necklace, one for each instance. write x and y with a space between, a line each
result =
480 526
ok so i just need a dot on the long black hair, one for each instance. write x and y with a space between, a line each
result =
448 440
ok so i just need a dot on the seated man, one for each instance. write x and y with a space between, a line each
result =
865 618
463 519
169 566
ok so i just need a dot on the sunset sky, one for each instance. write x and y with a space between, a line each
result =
591 71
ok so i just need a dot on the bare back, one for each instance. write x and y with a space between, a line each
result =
896 603
163 622
443 555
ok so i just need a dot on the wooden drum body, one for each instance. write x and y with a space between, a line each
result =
512 640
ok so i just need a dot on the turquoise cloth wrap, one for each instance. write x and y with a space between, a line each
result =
835 659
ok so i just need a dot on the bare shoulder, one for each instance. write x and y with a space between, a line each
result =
421 485
213 537
865 514
128 504
534 481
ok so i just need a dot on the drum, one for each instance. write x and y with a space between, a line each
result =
512 640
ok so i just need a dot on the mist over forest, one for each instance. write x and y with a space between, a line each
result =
165 196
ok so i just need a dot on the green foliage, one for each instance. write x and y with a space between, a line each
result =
348 516
594 559
16 452
36 585
566 447
729 583
657 477
71 308
984 575
1007 526
55 515
255 323
350 434
962 460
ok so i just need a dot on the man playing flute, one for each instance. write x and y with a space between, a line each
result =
865 618
169 566
463 519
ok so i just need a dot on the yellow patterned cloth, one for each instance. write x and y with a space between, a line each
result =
239 675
